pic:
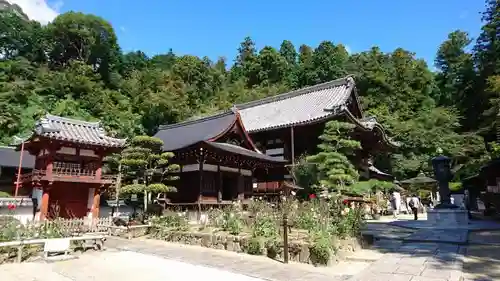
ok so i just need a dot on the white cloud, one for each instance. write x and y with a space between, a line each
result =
39 10
123 29
464 15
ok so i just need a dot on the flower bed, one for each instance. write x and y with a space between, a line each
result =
320 231
299 251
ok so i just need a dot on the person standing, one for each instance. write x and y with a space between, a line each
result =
466 203
414 204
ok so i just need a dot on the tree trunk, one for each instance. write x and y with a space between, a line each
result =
145 201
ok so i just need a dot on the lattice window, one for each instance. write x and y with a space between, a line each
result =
66 167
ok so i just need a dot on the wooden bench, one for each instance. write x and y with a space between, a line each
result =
56 244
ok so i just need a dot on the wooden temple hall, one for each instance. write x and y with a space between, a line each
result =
247 150
218 160
67 178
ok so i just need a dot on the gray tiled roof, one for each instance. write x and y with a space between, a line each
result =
297 107
9 157
180 135
66 129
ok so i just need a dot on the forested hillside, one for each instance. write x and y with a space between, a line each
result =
75 67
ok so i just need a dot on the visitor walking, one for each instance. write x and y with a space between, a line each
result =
395 203
414 204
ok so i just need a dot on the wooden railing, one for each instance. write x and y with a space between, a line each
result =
65 172
83 225
70 171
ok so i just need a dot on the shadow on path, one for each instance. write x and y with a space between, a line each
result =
414 252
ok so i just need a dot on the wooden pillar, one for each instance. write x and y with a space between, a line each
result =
292 145
200 188
44 205
50 163
219 184
96 203
98 171
241 185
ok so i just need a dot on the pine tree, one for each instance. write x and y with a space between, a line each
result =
146 166
336 172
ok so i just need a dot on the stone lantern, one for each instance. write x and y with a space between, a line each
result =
442 173
445 214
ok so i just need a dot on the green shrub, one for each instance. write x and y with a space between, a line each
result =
216 217
4 194
11 230
307 217
170 220
273 248
232 223
255 246
321 248
265 226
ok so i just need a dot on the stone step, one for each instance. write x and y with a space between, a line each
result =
365 255
386 244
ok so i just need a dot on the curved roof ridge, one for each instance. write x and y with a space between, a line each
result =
195 121
302 91
50 117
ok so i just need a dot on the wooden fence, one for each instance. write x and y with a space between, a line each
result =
83 225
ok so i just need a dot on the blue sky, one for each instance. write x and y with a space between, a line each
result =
215 28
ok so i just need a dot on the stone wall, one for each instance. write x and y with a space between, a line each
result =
130 232
298 250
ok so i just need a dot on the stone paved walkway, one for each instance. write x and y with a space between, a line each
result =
416 262
116 265
254 266
423 224
457 236
485 237
482 263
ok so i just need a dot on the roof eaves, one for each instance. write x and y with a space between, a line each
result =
196 121
375 126
55 118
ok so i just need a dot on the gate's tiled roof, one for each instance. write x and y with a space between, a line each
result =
77 131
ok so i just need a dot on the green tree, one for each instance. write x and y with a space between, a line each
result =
288 52
487 59
164 61
87 38
147 167
456 77
245 61
21 38
271 67
306 75
330 61
133 61
336 172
